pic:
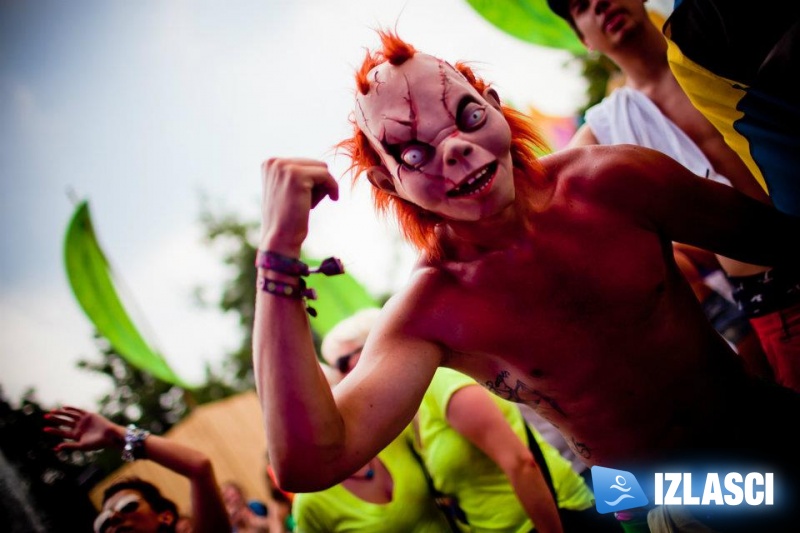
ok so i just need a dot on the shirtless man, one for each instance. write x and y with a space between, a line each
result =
550 281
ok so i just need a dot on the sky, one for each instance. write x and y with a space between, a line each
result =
142 108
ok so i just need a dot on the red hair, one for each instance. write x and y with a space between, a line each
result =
417 224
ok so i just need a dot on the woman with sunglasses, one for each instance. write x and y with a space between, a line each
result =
390 492
132 504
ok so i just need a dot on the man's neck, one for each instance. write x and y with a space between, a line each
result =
468 240
643 60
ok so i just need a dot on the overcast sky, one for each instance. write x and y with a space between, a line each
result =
140 107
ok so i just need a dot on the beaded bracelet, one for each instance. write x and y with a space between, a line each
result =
287 290
295 267
134 444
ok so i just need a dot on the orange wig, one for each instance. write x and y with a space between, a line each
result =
417 224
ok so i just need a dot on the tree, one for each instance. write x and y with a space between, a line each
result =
599 71
234 236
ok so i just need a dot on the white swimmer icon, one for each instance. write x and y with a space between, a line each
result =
620 486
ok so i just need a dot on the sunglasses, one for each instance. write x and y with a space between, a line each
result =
125 505
343 361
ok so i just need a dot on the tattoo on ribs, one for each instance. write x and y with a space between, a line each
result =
581 449
521 393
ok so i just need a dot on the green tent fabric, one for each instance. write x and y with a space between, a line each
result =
338 297
91 280
531 21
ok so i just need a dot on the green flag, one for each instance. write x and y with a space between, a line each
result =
531 21
91 280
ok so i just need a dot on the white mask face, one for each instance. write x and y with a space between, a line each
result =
447 148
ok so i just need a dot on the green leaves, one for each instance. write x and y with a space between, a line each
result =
338 297
531 21
92 281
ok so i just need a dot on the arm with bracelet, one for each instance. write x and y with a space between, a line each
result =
316 436
86 431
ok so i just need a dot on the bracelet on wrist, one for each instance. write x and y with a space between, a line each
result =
290 266
134 443
287 290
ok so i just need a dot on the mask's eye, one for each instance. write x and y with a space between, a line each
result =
415 155
471 117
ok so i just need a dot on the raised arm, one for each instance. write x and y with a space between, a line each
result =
314 440
86 431
473 413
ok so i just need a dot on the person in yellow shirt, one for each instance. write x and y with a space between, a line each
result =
389 494
477 447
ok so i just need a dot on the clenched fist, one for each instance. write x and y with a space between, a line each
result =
290 189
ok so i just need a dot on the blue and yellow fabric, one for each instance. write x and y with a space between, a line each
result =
738 63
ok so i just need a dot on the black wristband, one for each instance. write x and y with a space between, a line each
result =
281 263
295 267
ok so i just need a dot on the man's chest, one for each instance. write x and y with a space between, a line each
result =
562 275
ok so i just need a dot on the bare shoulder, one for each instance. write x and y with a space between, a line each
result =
610 172
416 307
427 281
597 162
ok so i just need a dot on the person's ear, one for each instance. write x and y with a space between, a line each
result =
380 178
491 96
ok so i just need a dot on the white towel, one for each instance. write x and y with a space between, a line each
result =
627 116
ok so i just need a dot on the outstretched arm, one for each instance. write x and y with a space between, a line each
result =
315 439
86 431
658 191
473 413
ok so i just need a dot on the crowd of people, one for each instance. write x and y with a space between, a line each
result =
570 292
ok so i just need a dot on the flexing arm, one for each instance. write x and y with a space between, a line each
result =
314 439
473 413
87 431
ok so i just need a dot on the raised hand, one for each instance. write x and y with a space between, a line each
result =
82 430
290 189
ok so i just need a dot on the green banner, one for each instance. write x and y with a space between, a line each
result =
91 280
531 21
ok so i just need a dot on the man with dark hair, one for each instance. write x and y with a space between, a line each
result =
737 63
